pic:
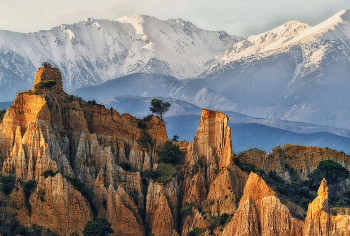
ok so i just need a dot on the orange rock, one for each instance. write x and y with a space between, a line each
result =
260 212
319 221
51 130
46 74
57 205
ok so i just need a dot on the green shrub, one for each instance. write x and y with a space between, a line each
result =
48 173
187 209
304 202
344 202
45 84
304 192
170 153
149 174
126 166
7 184
28 188
134 194
246 167
165 173
48 232
145 140
98 227
214 223
175 138
194 232
330 170
148 118
2 113
92 102
223 218
141 124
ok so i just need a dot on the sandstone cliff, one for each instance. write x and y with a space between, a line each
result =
260 212
303 160
212 183
319 221
49 130
67 161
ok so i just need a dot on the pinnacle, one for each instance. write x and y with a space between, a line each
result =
48 77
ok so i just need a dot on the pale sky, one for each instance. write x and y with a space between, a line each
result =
239 17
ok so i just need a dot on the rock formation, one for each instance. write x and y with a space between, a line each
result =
260 212
67 161
319 221
302 159
49 130
212 183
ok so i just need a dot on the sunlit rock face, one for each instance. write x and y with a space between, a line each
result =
47 129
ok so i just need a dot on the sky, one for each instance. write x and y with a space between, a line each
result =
239 17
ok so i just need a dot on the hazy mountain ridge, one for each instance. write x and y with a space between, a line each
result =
183 118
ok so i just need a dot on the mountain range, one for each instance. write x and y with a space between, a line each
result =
295 72
93 51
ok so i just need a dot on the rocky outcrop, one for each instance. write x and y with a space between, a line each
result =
319 221
212 183
47 129
82 160
162 207
302 160
207 155
45 74
260 212
122 213
58 206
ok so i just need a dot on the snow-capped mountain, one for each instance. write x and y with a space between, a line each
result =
93 51
295 72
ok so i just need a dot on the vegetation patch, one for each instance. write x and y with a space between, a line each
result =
7 184
11 226
194 232
134 194
141 124
170 153
92 102
126 166
28 188
2 113
163 174
187 209
48 173
45 84
303 192
98 227
148 118
145 140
